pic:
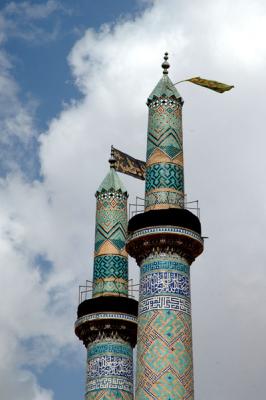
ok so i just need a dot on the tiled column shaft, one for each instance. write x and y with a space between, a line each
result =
110 275
107 322
164 355
164 173
110 370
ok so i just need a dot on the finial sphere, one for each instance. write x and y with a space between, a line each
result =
165 64
112 159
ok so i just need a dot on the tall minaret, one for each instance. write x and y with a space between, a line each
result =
164 240
107 322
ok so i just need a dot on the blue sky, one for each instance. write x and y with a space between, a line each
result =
37 48
41 67
74 78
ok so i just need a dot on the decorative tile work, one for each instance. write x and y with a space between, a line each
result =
164 91
164 101
109 348
109 370
164 303
165 263
107 286
109 353
164 175
110 365
164 358
110 266
105 315
166 229
164 186
111 222
165 128
164 149
99 386
110 273
165 282
164 199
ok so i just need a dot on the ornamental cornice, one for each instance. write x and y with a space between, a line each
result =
106 325
172 240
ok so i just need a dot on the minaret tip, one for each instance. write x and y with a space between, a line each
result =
165 64
112 158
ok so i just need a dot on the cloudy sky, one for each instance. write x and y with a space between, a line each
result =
74 78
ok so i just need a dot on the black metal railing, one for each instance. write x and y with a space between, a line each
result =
85 291
139 206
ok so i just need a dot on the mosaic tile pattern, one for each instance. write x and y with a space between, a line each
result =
165 282
165 128
109 370
164 175
110 266
164 149
111 222
164 355
109 357
110 274
110 286
164 199
104 316
166 229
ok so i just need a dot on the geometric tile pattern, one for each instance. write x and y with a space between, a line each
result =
164 172
109 361
164 354
169 229
164 303
164 198
164 175
107 286
165 129
110 266
109 370
105 316
110 274
111 222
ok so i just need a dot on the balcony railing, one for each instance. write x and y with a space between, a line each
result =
139 205
85 291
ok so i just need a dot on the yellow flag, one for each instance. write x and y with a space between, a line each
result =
213 85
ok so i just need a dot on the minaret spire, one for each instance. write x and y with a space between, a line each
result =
107 322
110 257
164 240
164 173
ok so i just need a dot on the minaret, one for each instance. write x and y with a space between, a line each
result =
107 322
164 240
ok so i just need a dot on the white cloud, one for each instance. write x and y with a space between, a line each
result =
116 69
24 383
17 125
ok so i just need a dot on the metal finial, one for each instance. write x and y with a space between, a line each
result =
112 159
165 64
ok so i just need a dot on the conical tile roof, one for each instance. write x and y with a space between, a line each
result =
112 182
